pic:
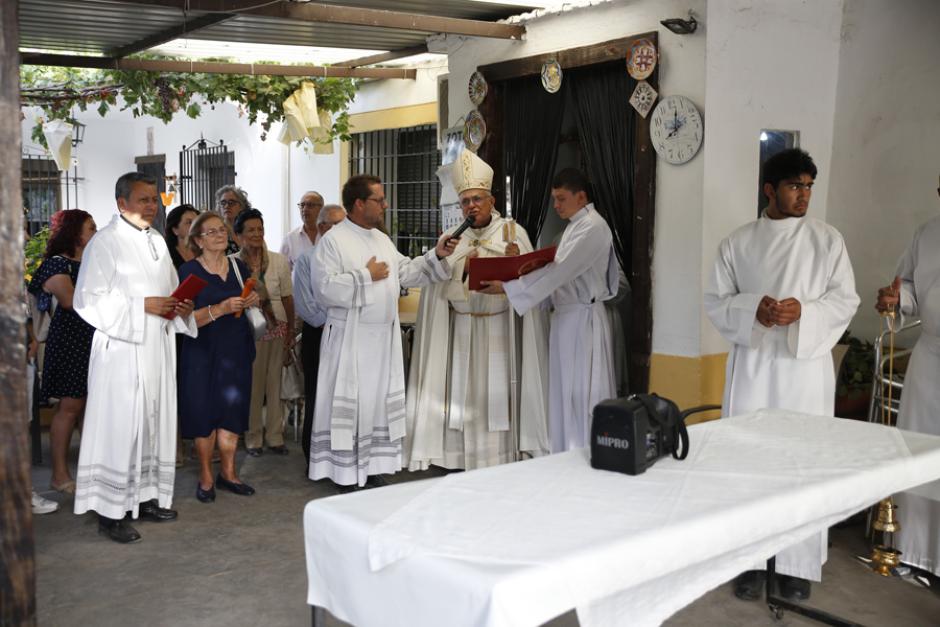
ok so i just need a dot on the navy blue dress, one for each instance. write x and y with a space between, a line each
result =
68 345
215 368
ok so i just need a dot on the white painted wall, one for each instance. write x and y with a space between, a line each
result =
770 64
886 151
677 239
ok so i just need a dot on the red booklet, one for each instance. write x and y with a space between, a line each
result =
508 268
187 290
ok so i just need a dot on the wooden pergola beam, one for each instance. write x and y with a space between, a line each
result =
154 65
382 57
174 32
355 16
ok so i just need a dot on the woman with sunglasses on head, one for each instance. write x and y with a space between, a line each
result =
230 201
68 345
215 367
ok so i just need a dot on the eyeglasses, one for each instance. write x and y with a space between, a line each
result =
304 205
213 232
380 200
225 202
472 200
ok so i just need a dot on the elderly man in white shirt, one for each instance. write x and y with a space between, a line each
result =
312 316
304 236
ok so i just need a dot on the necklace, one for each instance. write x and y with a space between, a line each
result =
205 264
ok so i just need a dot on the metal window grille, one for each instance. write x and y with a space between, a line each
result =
205 168
46 190
406 159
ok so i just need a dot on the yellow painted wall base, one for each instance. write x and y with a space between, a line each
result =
689 381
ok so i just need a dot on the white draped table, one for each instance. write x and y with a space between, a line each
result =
520 544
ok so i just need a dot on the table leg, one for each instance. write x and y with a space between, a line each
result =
316 617
778 604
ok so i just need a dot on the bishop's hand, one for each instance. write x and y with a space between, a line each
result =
512 250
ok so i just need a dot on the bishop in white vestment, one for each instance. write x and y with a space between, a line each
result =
918 288
127 460
783 292
357 273
459 387
584 275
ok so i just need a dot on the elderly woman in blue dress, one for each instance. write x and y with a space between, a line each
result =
215 367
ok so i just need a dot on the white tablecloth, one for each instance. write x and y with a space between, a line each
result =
522 543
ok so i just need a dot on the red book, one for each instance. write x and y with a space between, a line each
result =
507 268
187 290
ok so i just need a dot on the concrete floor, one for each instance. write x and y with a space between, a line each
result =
240 561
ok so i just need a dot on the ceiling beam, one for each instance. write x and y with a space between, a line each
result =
356 16
153 65
391 55
174 32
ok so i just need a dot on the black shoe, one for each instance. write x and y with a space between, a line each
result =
255 452
278 450
794 588
376 481
749 585
242 489
346 489
151 511
205 496
118 530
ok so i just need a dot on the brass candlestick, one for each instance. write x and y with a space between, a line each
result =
884 556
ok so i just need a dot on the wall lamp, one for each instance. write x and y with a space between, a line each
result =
681 27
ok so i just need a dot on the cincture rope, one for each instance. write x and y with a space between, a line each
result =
886 402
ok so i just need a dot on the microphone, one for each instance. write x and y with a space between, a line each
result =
463 227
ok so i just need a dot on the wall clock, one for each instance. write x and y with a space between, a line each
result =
676 129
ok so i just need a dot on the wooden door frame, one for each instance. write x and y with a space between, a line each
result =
644 177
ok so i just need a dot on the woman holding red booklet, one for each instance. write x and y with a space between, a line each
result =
215 367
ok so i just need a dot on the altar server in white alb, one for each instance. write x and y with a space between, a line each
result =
782 292
356 272
916 292
127 461
459 386
584 275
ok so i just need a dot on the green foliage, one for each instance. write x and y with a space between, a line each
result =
162 94
33 251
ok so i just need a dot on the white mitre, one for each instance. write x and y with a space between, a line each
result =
471 172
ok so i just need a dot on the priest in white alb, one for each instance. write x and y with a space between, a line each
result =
583 275
459 386
915 292
357 274
782 292
127 460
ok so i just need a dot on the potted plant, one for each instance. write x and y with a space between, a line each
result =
853 385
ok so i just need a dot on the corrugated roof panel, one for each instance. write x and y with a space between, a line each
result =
96 26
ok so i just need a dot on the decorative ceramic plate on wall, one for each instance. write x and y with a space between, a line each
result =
551 76
641 60
474 130
477 88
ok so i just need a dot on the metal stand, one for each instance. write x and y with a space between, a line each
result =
777 604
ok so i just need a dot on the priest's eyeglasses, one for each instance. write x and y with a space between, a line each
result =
472 200
304 205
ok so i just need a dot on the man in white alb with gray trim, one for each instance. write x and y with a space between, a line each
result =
356 272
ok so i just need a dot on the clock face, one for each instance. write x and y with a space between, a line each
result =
676 129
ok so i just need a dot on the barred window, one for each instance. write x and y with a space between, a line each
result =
406 159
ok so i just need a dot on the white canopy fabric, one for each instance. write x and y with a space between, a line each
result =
522 543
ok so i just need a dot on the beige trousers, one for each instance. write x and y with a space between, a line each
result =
266 389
